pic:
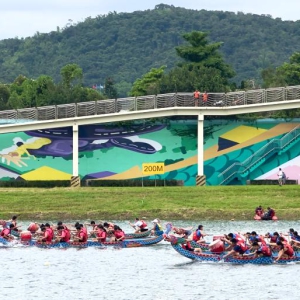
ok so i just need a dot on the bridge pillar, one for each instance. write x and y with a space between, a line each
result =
75 180
200 178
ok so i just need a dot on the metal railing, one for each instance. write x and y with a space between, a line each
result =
150 102
275 145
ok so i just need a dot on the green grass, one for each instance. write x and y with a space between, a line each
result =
189 203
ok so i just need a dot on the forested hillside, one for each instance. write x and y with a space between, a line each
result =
125 46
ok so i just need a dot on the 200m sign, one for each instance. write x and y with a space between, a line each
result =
153 168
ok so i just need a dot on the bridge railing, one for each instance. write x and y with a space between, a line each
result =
149 102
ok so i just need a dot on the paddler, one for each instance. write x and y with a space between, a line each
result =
47 236
286 250
239 248
81 234
101 233
198 235
6 233
63 235
119 234
261 250
139 225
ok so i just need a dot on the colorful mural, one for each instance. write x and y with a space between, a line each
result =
117 151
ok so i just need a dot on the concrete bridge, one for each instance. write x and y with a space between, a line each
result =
152 106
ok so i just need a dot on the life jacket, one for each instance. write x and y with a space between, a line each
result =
272 213
5 232
241 247
274 238
66 234
50 233
101 234
196 236
143 225
288 249
262 240
157 227
205 97
258 211
119 234
47 236
83 235
265 250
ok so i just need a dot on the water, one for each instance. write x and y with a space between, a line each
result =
155 272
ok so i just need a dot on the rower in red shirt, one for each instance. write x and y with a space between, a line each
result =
101 233
6 232
47 236
81 235
119 234
63 234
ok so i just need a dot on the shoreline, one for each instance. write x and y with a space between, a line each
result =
169 203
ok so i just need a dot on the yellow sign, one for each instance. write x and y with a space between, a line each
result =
153 168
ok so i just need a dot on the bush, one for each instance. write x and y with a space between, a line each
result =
132 182
37 183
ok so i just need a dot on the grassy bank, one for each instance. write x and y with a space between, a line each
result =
187 203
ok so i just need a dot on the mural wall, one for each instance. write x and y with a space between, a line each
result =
117 151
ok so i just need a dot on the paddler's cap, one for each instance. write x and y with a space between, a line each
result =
155 221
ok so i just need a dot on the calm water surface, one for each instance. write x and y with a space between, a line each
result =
156 272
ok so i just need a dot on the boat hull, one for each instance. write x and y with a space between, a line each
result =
129 243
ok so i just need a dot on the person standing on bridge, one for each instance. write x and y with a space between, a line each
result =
196 97
204 99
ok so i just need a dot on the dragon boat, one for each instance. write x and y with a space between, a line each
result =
26 240
212 256
138 235
127 235
128 243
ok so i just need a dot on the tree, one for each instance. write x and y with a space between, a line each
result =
200 53
109 89
203 67
71 73
149 83
4 96
286 74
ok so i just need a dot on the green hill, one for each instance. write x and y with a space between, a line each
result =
126 45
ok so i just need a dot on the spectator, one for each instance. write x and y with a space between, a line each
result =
196 97
204 99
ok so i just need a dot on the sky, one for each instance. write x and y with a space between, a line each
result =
19 18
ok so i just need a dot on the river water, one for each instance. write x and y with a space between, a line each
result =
155 272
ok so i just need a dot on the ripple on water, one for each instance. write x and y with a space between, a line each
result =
156 272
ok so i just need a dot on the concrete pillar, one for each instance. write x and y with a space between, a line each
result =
75 180
200 179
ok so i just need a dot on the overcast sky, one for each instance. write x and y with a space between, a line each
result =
19 18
